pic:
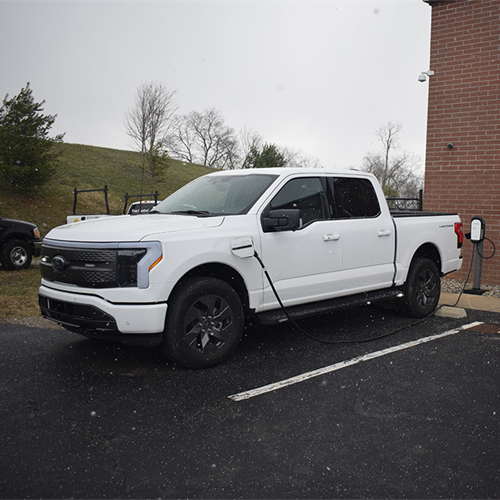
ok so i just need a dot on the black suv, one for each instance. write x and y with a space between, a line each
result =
19 242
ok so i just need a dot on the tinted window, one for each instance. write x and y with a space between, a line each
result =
355 198
306 194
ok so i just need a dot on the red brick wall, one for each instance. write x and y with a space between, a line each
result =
464 109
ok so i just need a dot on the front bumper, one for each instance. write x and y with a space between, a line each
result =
37 248
93 316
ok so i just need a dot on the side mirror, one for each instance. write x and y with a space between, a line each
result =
282 220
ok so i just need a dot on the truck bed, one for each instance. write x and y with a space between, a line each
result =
416 213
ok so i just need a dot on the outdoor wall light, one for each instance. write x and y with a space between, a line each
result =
423 76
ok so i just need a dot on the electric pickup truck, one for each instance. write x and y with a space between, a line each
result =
266 245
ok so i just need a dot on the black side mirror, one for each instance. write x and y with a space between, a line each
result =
282 220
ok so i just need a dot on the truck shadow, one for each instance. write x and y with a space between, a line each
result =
341 333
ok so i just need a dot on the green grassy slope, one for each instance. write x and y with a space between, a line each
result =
89 167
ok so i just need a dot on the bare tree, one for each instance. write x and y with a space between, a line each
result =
149 119
180 140
249 141
295 158
394 169
204 138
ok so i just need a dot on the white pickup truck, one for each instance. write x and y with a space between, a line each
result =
223 248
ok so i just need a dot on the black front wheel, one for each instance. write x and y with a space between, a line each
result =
422 289
204 325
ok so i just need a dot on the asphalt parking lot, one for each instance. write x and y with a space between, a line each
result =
397 417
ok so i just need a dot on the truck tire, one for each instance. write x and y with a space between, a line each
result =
16 254
422 289
204 324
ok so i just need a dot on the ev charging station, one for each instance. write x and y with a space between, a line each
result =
477 236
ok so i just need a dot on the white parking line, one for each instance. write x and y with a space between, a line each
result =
343 364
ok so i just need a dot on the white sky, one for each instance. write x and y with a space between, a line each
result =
319 77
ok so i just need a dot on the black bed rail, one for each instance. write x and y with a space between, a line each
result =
407 204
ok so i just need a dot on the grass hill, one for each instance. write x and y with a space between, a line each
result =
89 167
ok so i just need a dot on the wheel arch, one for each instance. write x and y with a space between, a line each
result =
223 272
7 238
428 251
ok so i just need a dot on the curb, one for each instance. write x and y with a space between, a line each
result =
468 301
451 312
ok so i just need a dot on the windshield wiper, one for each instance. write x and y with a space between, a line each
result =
191 212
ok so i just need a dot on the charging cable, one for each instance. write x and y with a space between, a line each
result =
463 288
492 254
312 337
307 334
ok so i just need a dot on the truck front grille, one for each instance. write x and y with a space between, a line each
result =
100 265
87 267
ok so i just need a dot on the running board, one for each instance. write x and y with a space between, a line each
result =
314 308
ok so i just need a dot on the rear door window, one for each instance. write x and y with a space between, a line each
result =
354 198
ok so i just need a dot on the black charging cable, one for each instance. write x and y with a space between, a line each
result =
492 254
298 327
312 337
307 334
463 288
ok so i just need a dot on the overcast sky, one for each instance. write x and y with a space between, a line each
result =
319 77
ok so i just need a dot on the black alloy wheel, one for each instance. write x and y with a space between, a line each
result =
204 323
422 289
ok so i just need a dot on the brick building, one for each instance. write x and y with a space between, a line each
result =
462 172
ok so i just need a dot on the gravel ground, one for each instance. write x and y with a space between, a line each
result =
455 286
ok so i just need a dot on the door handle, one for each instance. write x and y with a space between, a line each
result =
331 237
384 232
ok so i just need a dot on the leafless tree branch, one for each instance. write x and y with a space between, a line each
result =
395 170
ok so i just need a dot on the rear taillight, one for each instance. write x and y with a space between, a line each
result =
460 235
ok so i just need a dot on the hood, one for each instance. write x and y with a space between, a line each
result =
14 222
130 227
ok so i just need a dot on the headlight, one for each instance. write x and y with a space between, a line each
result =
127 266
135 261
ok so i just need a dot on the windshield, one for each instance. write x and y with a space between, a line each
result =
217 195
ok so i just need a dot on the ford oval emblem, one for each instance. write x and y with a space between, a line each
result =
59 263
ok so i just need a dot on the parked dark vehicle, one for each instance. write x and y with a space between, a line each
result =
19 242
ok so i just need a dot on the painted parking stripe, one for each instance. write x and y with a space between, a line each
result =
343 364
